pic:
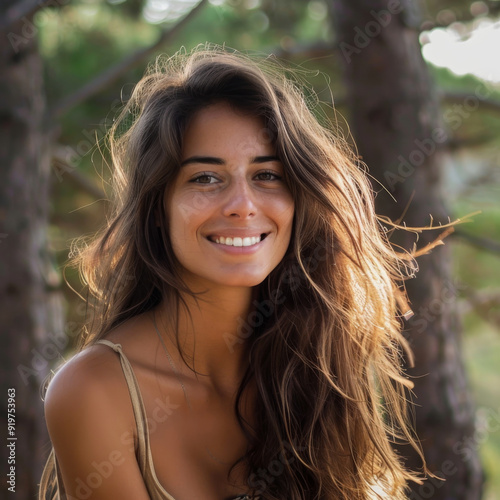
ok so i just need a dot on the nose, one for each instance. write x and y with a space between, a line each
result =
240 201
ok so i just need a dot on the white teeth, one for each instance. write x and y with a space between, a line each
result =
247 241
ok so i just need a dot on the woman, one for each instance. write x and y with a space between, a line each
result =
246 340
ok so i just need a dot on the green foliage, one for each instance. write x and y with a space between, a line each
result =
482 352
449 81
80 40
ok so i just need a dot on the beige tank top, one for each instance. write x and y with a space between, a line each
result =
144 456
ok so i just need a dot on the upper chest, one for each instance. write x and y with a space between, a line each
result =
194 435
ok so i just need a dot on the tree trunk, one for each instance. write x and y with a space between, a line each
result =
396 126
30 303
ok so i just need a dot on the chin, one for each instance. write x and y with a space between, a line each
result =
224 280
241 282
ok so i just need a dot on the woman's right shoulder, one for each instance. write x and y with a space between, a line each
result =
93 378
91 424
94 364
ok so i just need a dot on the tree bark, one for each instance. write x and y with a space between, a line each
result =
396 125
30 305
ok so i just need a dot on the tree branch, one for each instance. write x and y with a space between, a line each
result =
485 303
461 97
324 49
479 242
455 143
62 168
106 78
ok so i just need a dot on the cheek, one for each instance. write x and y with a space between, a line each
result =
286 215
188 208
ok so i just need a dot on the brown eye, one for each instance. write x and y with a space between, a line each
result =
268 176
204 179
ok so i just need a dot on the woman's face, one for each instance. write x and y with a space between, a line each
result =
230 211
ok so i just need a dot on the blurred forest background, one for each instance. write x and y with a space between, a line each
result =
68 65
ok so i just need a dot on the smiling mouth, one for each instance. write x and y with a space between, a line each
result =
237 241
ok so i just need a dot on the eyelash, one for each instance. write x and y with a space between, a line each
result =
274 175
201 176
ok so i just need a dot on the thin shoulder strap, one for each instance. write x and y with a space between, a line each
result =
137 402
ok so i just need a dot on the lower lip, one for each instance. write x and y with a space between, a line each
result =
230 249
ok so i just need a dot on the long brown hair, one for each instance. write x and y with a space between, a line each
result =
326 352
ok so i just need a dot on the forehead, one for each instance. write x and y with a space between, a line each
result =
223 129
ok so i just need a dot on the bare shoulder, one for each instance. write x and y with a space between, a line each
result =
88 394
90 374
95 371
92 428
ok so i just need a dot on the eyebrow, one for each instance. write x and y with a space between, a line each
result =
212 160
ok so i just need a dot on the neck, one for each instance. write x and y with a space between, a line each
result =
212 330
